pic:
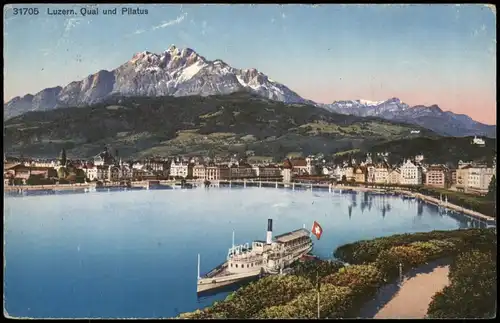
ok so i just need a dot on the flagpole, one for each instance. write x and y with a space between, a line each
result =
317 272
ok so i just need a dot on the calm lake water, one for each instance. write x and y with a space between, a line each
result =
134 254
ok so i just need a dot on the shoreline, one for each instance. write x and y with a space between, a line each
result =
428 199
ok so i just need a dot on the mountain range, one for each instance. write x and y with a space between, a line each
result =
432 117
183 72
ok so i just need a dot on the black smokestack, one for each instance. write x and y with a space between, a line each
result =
270 225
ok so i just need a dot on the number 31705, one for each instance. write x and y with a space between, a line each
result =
25 11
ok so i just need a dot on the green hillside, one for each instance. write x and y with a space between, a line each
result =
239 123
438 150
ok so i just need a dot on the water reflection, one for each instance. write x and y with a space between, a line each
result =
420 208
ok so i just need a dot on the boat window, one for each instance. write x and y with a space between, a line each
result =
231 265
248 265
252 264
236 265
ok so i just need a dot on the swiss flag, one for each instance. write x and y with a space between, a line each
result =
317 230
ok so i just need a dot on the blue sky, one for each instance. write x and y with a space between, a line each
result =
423 54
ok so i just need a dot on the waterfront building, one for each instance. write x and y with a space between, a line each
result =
157 166
370 173
23 173
216 173
181 169
327 171
360 174
411 174
286 173
97 172
394 176
113 174
438 176
298 166
337 173
268 172
241 171
479 179
381 173
348 172
453 175
462 177
199 171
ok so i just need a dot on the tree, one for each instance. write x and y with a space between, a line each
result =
344 179
62 172
62 158
492 188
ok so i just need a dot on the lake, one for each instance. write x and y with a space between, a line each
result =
133 254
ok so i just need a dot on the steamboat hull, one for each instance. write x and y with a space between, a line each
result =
206 284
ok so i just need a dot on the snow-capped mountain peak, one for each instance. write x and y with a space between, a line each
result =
176 72
369 103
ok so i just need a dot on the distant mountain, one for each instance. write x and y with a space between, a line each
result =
238 123
432 117
183 72
174 72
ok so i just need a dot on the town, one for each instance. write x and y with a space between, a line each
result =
468 177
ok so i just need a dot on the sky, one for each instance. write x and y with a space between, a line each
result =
423 54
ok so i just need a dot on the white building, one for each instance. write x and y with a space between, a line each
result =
326 171
479 179
180 169
97 173
381 175
370 173
348 172
394 176
311 170
478 141
411 174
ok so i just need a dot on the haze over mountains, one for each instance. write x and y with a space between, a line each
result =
183 72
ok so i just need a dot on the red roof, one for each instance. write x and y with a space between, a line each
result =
296 162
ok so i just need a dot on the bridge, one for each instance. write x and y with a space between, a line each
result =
276 184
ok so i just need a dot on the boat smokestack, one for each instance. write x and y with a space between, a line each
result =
269 237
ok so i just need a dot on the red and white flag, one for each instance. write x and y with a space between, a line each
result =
317 230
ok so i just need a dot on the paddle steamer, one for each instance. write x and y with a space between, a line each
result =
261 257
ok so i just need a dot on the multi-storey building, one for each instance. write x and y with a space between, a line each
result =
215 173
241 171
268 172
394 176
381 174
370 173
479 179
360 174
411 174
438 176
181 169
199 171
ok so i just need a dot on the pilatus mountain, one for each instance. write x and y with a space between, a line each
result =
183 72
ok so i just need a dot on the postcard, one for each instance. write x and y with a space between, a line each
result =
249 161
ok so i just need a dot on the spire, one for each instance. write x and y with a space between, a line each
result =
62 157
